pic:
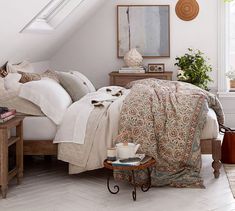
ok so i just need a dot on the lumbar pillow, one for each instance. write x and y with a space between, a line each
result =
52 99
74 85
11 81
50 74
26 77
24 66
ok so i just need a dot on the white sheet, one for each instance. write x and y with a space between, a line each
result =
211 128
73 126
38 128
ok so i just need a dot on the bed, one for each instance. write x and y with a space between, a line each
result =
56 101
39 133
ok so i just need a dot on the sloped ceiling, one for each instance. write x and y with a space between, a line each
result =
16 46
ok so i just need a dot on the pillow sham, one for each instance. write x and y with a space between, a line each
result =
11 81
73 85
52 99
86 81
24 66
11 100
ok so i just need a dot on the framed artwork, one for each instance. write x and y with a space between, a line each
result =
144 27
156 68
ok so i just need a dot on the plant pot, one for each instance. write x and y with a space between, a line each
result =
232 84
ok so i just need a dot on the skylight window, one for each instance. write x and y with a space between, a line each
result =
50 9
51 15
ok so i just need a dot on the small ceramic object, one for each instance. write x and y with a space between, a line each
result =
133 58
126 150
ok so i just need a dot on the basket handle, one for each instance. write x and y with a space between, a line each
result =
224 129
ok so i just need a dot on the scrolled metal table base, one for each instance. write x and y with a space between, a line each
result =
144 187
114 187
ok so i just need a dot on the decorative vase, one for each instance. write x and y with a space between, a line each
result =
133 58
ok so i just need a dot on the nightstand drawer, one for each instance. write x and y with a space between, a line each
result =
122 79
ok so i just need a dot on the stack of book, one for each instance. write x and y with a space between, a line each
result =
6 114
132 70
136 161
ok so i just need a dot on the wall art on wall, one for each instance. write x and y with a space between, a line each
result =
144 27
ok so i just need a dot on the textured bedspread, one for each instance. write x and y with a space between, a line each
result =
166 118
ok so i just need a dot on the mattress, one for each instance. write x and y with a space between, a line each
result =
42 128
38 128
211 128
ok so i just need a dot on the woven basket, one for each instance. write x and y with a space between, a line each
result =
232 84
187 10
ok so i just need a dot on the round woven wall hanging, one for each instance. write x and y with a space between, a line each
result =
187 10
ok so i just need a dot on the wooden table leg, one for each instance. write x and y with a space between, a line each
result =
19 152
4 162
216 155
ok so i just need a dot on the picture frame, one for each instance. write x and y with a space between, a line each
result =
156 68
144 27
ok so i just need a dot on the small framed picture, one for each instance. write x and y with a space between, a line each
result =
156 68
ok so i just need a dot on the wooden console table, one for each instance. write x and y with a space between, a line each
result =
5 143
122 79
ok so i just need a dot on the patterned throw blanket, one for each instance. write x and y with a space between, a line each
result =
166 118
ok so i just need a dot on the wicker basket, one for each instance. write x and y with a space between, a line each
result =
232 84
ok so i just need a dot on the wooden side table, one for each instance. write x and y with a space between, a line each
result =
144 187
122 79
5 143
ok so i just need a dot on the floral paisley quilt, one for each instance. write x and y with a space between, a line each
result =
167 118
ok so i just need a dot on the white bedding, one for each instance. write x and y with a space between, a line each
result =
38 128
42 128
211 128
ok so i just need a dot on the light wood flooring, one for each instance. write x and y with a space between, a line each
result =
47 187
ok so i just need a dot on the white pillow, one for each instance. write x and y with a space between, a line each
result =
11 81
24 66
2 87
88 83
50 96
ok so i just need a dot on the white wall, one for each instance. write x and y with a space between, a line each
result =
16 46
92 49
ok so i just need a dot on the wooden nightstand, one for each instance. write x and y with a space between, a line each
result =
122 79
5 143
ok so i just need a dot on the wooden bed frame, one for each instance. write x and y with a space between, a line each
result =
208 146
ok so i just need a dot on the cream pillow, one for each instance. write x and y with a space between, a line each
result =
74 85
50 96
85 80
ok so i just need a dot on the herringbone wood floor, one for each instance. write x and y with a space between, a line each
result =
47 186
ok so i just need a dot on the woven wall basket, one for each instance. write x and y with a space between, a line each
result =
187 10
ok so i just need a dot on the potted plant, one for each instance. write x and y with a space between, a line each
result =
194 68
231 76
